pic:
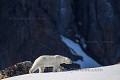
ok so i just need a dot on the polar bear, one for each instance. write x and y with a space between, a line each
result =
49 61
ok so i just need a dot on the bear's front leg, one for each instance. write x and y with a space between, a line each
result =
41 69
55 68
60 69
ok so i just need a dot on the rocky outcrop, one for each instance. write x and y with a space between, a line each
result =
17 69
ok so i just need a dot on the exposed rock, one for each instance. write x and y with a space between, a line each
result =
101 28
17 69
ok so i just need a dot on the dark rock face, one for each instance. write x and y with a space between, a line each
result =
30 28
100 27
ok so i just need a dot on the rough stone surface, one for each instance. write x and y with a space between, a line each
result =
30 28
100 27
17 69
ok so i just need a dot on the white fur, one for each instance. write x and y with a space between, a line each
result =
49 61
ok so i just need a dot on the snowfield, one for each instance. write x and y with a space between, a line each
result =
101 73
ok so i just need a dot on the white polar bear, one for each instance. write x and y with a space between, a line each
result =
49 61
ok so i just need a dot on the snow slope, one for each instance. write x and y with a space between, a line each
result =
100 73
87 62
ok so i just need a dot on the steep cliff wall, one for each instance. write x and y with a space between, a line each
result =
30 28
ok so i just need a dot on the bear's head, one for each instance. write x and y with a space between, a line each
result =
67 60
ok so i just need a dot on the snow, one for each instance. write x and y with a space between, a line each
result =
75 48
100 73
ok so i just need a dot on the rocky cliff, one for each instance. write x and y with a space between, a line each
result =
30 28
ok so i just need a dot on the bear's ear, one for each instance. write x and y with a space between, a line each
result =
66 58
